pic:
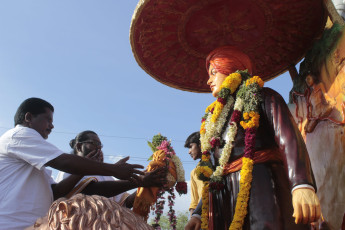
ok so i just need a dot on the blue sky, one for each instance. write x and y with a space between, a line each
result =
77 55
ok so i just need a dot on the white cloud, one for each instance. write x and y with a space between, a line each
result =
112 159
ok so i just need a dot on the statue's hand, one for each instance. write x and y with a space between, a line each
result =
306 206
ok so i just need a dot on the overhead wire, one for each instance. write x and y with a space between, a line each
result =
103 135
120 137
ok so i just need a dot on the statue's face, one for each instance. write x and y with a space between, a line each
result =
215 81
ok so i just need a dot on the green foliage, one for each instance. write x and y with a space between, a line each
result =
224 93
244 74
156 141
251 96
182 219
151 146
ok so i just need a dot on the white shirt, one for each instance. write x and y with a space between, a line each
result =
25 184
63 175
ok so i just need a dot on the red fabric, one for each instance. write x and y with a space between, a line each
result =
267 155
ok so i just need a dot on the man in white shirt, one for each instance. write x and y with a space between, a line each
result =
25 185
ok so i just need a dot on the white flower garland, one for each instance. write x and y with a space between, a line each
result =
230 138
214 129
179 168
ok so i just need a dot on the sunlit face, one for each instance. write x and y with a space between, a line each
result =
309 80
42 123
215 80
194 151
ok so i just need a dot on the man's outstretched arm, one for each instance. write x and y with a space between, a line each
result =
77 165
156 178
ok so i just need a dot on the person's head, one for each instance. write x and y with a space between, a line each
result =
193 144
85 142
223 61
37 114
311 80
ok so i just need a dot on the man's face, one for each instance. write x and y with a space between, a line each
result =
92 143
42 123
194 151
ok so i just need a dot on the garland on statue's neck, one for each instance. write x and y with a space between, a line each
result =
248 98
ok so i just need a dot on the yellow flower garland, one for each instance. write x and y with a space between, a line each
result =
216 112
206 171
232 82
205 200
210 107
253 118
255 79
243 195
202 128
205 157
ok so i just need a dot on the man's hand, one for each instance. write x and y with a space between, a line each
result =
191 210
125 171
306 206
156 178
193 224
96 155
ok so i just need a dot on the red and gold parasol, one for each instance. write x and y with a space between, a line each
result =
171 38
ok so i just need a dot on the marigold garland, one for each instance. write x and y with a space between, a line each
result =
205 157
204 170
232 82
252 120
205 207
255 79
246 178
248 99
202 128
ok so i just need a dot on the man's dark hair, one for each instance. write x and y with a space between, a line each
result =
31 105
193 138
